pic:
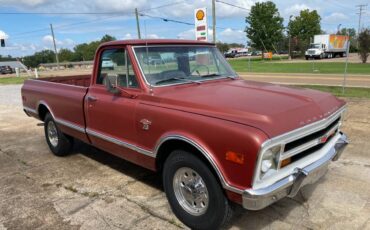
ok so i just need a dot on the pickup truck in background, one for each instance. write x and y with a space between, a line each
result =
216 139
327 46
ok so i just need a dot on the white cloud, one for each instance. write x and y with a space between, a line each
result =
47 40
153 36
23 2
335 18
229 35
296 9
3 35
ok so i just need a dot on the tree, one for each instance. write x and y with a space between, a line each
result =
65 55
108 38
223 47
303 27
364 45
347 31
45 56
264 26
352 38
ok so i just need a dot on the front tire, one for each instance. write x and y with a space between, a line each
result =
194 193
58 142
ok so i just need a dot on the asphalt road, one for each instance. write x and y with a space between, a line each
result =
90 189
309 79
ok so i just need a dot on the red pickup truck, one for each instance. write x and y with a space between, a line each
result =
177 107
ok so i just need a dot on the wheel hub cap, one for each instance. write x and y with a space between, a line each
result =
190 191
52 134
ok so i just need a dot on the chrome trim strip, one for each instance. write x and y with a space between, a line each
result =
120 143
205 153
30 110
70 125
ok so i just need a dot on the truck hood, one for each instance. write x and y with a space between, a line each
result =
274 109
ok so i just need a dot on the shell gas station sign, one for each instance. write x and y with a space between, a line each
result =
201 27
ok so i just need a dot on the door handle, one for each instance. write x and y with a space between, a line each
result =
91 98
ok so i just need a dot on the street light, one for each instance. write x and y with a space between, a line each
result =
338 28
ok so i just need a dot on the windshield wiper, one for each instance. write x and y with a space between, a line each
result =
176 78
217 75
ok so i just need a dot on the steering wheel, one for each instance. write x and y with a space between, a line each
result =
197 67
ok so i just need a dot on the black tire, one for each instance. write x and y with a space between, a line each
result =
219 210
64 143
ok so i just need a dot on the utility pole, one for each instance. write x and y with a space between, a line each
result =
137 23
361 10
55 46
214 20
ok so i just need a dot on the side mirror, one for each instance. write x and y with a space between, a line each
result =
111 82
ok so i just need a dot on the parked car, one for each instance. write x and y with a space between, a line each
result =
107 63
215 138
230 54
256 53
6 70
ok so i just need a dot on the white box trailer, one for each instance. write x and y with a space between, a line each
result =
327 46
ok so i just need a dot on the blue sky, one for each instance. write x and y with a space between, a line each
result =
29 33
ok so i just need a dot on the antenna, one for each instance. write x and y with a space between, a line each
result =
147 56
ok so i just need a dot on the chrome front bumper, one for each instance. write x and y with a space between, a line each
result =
289 186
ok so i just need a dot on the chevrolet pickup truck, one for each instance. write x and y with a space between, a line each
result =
216 139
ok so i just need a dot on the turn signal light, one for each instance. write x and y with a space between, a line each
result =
285 162
235 157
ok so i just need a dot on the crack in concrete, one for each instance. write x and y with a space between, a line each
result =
97 195
353 163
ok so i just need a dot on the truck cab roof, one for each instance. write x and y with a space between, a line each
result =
156 42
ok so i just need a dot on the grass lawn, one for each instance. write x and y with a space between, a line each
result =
337 90
12 80
259 66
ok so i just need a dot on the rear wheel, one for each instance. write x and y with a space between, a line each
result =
193 192
58 142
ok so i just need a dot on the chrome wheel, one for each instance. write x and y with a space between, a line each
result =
52 134
190 191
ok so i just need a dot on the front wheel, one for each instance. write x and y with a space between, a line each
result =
58 142
194 193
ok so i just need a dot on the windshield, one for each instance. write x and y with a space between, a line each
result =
167 65
315 46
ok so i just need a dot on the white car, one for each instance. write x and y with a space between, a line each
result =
107 63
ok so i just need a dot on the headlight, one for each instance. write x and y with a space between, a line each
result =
269 161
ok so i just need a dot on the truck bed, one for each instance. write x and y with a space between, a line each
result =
63 97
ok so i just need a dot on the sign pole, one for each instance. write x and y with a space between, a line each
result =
345 68
214 20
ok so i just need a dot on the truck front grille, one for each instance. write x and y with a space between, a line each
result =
311 143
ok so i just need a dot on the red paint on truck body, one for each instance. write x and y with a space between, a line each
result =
220 115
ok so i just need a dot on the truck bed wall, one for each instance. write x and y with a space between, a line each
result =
78 80
64 100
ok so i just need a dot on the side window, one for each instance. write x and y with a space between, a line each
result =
116 68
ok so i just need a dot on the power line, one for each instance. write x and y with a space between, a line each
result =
361 10
162 6
16 36
180 22
58 13
229 4
168 20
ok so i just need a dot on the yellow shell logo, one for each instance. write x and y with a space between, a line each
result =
200 15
